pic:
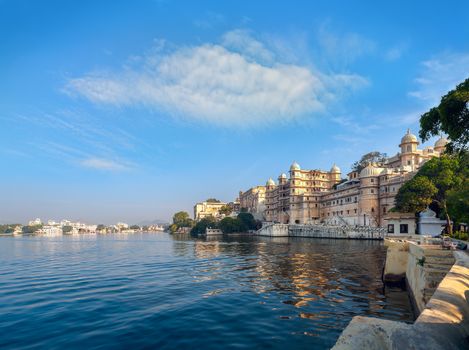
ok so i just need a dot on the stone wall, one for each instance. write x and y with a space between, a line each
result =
444 320
321 231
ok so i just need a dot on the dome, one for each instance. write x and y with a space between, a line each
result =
270 182
387 171
283 176
295 166
441 143
335 169
409 138
370 170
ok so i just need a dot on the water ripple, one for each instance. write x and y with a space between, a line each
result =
157 291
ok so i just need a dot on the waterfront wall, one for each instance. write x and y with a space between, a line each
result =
444 320
421 266
321 231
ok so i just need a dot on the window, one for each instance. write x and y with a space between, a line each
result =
409 148
372 180
391 228
372 210
408 162
404 228
372 191
384 210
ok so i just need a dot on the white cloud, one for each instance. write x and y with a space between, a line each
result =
241 41
103 164
236 83
440 75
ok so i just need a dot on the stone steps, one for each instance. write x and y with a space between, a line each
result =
440 260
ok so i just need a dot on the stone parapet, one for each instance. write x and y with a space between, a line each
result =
444 320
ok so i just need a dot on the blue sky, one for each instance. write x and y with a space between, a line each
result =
131 111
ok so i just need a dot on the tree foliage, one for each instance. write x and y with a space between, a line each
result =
212 200
451 117
201 225
182 219
415 195
374 157
31 228
67 229
231 225
442 182
225 210
248 220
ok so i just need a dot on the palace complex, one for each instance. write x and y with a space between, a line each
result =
318 196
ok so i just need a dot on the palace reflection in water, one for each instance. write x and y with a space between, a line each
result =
176 292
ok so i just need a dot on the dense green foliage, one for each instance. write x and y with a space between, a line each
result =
212 200
248 220
201 225
375 157
9 228
31 229
226 210
415 195
181 219
451 117
242 223
67 229
442 182
135 227
232 225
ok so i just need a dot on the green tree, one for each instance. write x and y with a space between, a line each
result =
451 117
135 227
202 225
415 195
225 210
100 227
458 202
447 175
212 200
248 220
173 228
67 229
231 225
372 157
31 229
182 219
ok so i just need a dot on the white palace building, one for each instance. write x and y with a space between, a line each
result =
319 196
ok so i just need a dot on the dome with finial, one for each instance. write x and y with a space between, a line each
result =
270 182
441 143
295 166
370 170
283 176
409 138
335 169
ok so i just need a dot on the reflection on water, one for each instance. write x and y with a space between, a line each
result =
159 291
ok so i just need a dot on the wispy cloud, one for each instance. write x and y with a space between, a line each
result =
103 164
210 20
439 75
343 48
354 126
394 53
238 82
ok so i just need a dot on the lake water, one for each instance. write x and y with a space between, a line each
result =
155 291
